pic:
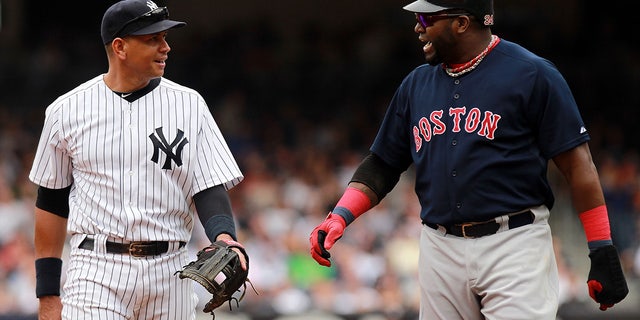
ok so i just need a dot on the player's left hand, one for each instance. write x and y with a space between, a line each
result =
606 282
235 247
218 269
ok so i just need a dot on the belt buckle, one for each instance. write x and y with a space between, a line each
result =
137 249
464 234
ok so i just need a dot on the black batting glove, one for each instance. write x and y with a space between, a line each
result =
606 282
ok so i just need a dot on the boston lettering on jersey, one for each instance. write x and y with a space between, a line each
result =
160 143
475 121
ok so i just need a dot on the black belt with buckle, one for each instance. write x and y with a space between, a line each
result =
136 248
481 229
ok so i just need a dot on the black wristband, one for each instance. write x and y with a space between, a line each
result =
48 272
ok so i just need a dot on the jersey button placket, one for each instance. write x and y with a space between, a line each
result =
454 142
128 148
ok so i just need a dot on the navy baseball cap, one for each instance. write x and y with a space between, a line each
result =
481 9
135 17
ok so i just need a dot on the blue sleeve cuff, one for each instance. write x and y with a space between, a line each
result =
593 245
345 214
220 223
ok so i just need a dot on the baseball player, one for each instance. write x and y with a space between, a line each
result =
123 163
480 122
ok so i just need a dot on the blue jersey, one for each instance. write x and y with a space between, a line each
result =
481 142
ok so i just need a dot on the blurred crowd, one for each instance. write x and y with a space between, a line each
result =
299 111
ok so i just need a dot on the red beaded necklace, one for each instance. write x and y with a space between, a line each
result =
456 70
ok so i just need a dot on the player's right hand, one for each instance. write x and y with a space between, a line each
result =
324 236
606 281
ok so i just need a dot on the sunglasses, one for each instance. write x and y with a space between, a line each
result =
427 20
155 15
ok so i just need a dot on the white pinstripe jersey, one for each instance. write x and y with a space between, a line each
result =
133 166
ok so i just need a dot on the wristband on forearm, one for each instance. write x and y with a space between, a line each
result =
48 272
596 227
353 203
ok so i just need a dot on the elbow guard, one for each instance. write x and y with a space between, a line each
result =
55 201
376 174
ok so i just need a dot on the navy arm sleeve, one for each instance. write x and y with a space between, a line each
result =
214 210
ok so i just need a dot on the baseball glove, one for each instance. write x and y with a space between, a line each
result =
217 268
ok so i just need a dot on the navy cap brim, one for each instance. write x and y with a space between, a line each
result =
423 6
158 27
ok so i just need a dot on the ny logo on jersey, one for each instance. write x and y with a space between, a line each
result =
160 143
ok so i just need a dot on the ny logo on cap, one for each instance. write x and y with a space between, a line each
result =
152 5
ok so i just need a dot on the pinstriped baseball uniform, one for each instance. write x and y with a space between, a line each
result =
134 167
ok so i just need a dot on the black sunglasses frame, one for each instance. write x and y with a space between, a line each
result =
428 20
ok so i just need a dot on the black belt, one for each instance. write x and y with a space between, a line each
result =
136 248
481 229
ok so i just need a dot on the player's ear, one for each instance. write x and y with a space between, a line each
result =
462 23
118 45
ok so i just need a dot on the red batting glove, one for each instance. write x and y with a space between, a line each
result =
324 236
